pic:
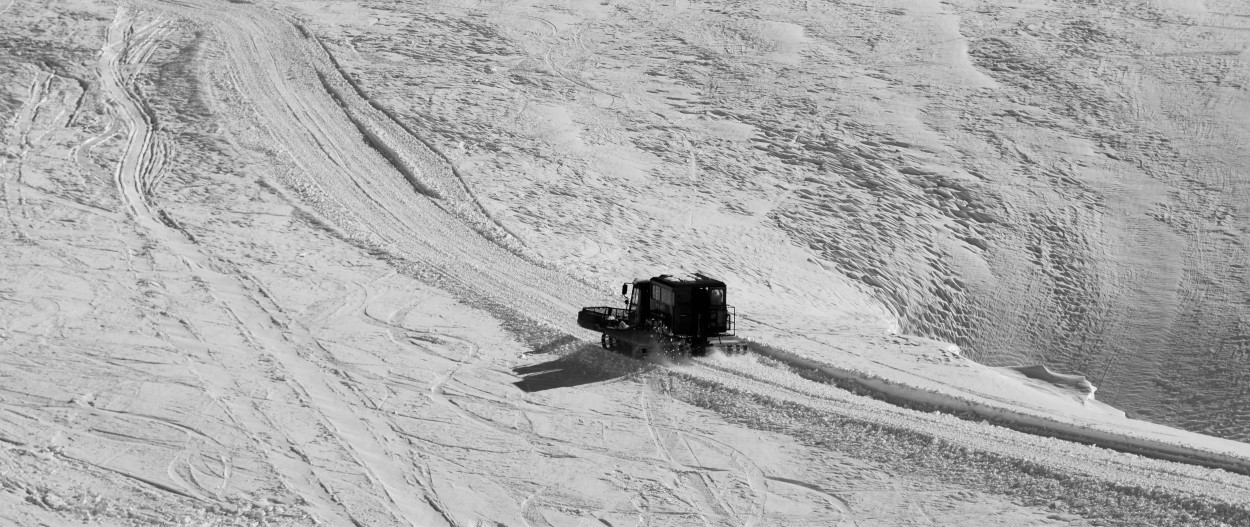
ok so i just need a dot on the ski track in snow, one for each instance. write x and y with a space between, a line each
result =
328 413
998 229
138 173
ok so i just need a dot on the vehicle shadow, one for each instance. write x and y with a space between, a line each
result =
566 371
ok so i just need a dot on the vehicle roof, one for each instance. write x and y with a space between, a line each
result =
696 279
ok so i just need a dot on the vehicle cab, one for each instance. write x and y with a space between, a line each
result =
682 305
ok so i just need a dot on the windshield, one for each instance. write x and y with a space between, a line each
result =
716 297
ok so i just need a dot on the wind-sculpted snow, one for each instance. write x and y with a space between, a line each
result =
1145 264
1075 383
1038 186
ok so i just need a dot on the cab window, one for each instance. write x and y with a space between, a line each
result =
716 297
661 298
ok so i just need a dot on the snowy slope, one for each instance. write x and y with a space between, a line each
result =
1043 182
318 263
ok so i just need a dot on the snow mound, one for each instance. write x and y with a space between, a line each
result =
1066 382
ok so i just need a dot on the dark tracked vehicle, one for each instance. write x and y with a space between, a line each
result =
673 315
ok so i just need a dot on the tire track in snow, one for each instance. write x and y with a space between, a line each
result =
134 178
436 389
701 489
529 516
703 484
224 457
10 205
358 435
368 450
1030 423
358 303
462 365
22 129
21 125
754 476
358 189
834 500
382 204
461 184
127 46
178 464
391 323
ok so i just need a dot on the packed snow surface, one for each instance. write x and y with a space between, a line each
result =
288 262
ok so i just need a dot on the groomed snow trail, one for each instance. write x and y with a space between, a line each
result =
1049 185
363 181
288 310
348 155
257 318
288 415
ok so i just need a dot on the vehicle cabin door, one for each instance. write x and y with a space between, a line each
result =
709 305
639 303
700 304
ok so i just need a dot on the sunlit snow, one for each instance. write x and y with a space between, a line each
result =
276 262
